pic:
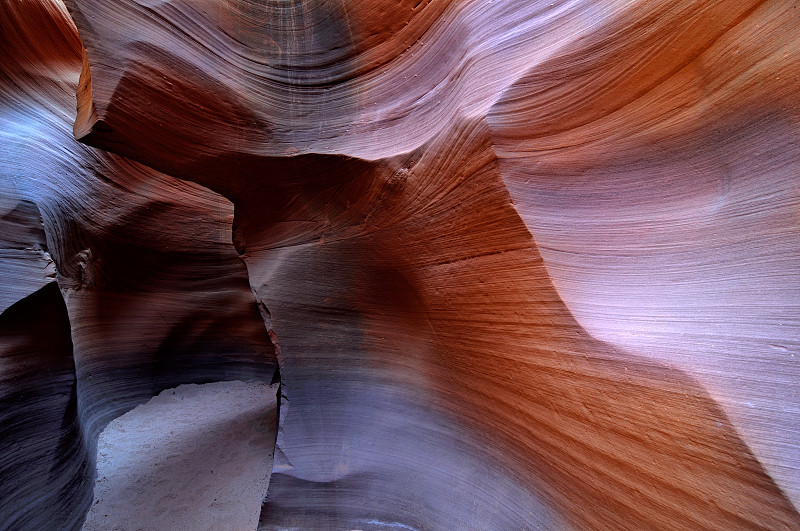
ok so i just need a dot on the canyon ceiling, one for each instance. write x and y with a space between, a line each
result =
505 264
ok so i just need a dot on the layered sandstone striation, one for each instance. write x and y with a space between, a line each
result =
514 265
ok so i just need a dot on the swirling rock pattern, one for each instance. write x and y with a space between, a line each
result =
139 258
522 265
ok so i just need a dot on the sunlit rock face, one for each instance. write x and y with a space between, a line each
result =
522 265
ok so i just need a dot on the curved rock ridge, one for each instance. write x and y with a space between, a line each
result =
137 256
457 306
43 457
26 265
664 203
531 265
367 79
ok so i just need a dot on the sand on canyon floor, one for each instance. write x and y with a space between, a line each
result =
197 457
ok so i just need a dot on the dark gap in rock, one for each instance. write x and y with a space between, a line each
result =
44 463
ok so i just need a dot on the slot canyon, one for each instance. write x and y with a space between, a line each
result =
399 265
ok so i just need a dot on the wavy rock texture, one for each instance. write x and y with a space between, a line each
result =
523 265
140 259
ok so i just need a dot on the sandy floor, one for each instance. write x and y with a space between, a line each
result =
197 457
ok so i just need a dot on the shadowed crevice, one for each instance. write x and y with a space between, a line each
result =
44 464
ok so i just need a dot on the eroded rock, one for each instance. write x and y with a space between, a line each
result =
530 265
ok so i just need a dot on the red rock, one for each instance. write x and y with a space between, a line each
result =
522 265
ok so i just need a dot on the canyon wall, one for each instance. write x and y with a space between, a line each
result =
515 265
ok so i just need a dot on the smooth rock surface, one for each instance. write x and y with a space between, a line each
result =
194 457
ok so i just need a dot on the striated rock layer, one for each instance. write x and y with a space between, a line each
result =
150 293
516 265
